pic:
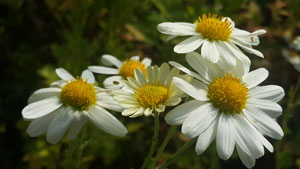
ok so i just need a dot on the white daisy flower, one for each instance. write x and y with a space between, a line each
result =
218 37
67 104
293 58
229 107
151 92
295 44
122 71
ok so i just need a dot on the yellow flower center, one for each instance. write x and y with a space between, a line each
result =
293 54
79 94
152 95
213 28
128 67
228 94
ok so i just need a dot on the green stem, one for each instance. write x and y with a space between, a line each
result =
154 140
163 146
178 153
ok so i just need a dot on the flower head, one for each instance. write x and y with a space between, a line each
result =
67 104
151 92
219 38
228 107
122 71
292 55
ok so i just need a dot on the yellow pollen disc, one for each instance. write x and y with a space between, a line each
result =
228 94
128 67
213 28
152 95
78 94
293 54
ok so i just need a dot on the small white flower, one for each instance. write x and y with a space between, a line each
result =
229 107
293 58
295 44
217 36
67 104
122 71
151 92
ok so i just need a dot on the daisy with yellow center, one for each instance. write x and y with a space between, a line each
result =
68 104
228 107
218 38
292 55
122 71
151 92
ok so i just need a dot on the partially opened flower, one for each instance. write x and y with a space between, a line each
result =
218 37
67 105
122 71
229 107
151 92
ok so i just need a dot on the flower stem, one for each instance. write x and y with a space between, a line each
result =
154 140
163 146
178 153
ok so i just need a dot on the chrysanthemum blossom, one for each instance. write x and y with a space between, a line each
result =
228 107
219 38
151 92
67 104
122 71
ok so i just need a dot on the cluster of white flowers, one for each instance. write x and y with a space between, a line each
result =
227 104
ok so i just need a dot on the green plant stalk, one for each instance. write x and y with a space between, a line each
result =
178 153
163 146
154 140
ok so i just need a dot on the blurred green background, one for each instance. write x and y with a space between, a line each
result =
37 36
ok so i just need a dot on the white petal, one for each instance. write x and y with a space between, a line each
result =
249 135
40 125
147 62
180 113
225 138
177 28
210 51
198 121
86 74
105 121
196 93
269 92
148 112
185 70
271 108
104 70
226 55
63 74
58 83
111 105
248 49
255 77
130 111
263 123
140 76
163 72
247 160
206 69
59 126
149 71
174 72
238 53
41 108
76 125
173 101
206 138
109 60
198 84
44 94
189 45
113 82
139 112
160 108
